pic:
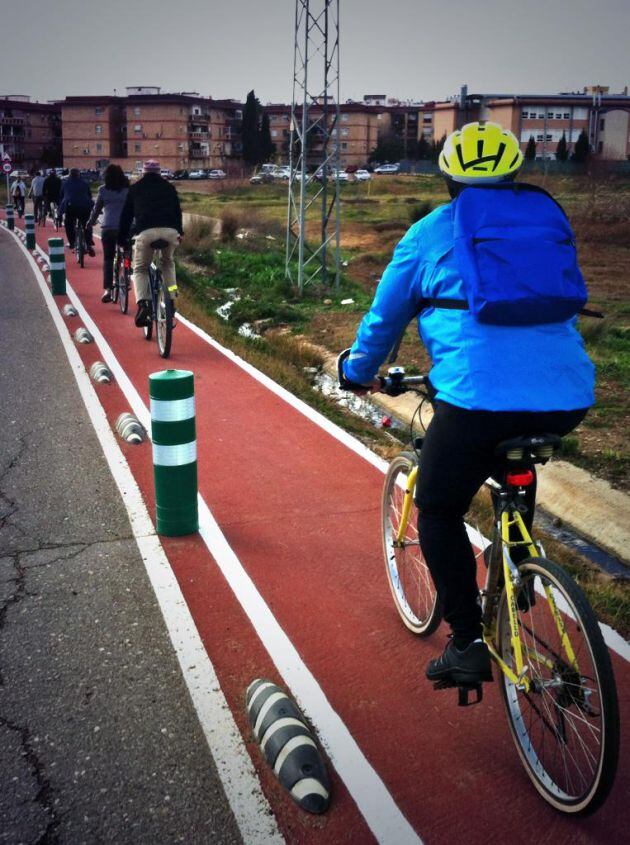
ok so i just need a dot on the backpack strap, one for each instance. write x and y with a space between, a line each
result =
462 305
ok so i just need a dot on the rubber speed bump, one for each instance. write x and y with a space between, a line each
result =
288 745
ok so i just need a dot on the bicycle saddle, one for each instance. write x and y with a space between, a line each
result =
159 244
537 446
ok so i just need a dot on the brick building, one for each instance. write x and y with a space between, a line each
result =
30 132
182 131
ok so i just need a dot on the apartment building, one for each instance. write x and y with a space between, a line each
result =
358 131
182 131
30 132
603 116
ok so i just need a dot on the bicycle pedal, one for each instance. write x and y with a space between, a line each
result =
463 691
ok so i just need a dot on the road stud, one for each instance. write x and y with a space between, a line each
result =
10 217
57 264
173 432
288 745
129 428
100 373
29 228
82 335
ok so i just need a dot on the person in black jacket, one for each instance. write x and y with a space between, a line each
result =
152 205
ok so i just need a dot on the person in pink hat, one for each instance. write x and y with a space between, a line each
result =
152 206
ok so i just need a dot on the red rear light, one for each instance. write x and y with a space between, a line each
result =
520 479
127 263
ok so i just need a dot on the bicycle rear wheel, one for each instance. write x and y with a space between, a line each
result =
80 246
409 578
566 728
164 319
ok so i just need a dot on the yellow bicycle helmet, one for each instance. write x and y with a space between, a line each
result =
480 153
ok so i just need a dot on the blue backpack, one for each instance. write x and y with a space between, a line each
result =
515 250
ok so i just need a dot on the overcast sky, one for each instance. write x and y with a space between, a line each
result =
416 49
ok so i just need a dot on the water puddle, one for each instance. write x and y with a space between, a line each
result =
362 406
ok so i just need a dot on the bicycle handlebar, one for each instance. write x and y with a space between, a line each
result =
393 384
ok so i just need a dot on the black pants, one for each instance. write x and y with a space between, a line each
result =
18 202
71 217
108 240
456 458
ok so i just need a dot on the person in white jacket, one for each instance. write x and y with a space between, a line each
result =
37 193
18 195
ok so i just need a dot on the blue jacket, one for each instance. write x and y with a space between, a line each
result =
75 193
474 365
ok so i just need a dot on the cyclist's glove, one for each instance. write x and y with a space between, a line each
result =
345 383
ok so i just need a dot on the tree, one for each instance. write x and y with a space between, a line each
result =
388 149
419 150
437 147
582 148
251 130
530 151
562 152
267 146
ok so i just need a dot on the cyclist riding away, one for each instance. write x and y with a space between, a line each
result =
76 204
485 275
36 192
18 195
153 206
52 191
110 200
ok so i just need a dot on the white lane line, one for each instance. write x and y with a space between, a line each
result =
382 814
242 788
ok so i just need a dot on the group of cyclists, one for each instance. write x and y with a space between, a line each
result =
146 211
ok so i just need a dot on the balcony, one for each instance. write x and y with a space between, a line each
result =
195 153
199 118
197 135
12 121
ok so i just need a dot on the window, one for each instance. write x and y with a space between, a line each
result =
524 114
412 117
345 132
99 148
549 115
99 110
566 115
137 127
136 111
602 124
428 118
344 145
541 115
539 137
549 137
238 114
86 151
274 133
345 116
600 147
558 115
137 148
99 128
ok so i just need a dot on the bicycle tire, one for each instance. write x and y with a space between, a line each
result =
80 247
123 300
409 578
562 702
164 319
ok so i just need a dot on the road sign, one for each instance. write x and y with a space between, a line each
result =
7 167
6 157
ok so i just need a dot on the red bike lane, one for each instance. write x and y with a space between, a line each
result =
301 511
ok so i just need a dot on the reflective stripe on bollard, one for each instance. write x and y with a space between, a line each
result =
174 451
10 217
29 228
57 264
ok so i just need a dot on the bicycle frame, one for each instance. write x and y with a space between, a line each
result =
509 518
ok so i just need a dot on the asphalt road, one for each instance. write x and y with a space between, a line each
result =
99 741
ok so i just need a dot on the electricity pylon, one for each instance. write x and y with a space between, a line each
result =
313 203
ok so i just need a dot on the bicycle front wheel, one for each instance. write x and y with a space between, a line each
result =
566 727
409 578
164 319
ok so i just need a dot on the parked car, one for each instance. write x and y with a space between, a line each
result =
385 169
217 174
166 174
362 176
181 174
197 174
341 175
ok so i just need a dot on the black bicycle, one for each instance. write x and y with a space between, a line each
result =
122 278
80 246
162 306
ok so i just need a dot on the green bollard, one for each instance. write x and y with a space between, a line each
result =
29 228
172 396
57 264
10 218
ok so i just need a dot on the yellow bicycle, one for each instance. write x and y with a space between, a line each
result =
555 672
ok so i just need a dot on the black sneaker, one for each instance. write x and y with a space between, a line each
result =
470 666
107 295
90 251
69 245
143 314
